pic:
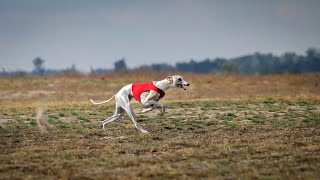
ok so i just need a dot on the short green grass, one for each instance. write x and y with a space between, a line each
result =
268 139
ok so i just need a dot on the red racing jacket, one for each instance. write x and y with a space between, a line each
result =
139 88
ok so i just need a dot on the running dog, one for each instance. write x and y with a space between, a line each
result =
148 94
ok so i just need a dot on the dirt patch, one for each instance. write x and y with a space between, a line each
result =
4 121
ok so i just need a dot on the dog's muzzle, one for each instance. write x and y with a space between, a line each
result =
182 86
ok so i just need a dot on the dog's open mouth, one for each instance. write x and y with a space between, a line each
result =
181 86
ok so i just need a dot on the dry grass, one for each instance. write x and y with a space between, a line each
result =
224 127
219 87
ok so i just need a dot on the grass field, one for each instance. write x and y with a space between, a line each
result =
222 127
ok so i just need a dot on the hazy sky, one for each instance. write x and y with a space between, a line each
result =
98 32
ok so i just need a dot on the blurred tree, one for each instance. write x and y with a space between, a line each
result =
313 60
120 65
38 66
230 66
217 65
71 70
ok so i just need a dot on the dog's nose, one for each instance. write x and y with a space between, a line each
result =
187 84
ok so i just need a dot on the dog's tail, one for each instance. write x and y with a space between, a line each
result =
102 101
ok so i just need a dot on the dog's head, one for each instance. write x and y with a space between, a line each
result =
177 82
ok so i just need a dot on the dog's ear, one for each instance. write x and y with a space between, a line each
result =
169 78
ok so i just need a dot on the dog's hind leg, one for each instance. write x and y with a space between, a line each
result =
117 115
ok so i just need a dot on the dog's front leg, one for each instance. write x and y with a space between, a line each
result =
154 104
147 109
129 110
151 103
124 102
163 109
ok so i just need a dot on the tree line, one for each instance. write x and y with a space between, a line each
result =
257 63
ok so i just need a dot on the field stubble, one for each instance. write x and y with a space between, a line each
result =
221 127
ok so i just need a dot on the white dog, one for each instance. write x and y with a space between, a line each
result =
148 94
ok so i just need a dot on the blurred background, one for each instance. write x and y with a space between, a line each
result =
252 109
43 37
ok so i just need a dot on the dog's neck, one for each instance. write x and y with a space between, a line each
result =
163 84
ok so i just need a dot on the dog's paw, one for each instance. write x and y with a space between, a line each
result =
147 110
162 110
144 131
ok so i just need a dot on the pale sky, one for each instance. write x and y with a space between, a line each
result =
98 32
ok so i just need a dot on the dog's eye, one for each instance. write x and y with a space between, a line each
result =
179 79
